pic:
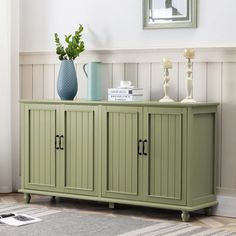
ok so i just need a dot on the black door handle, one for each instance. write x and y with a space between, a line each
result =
144 148
56 142
60 142
139 152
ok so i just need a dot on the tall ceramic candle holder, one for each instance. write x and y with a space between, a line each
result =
167 64
189 54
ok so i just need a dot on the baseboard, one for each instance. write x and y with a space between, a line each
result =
6 189
226 206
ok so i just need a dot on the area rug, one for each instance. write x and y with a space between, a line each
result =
82 223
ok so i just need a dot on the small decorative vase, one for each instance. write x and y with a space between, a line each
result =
92 71
67 85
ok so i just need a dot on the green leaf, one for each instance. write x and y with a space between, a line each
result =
67 38
75 45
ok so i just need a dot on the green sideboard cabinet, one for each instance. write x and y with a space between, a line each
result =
146 153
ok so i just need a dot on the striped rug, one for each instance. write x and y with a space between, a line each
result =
27 209
181 229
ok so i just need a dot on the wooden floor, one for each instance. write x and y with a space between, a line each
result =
132 211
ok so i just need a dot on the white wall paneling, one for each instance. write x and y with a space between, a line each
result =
118 74
156 81
37 81
199 81
214 88
228 167
131 73
106 78
174 80
181 81
82 82
144 79
214 72
27 82
48 81
57 68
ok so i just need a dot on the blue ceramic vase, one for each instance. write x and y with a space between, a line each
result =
67 85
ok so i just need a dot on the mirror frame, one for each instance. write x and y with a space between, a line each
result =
190 23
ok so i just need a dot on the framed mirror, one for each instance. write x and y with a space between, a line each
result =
169 14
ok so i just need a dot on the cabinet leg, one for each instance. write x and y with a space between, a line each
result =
111 205
208 211
53 199
27 198
185 216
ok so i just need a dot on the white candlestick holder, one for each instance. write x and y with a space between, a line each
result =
189 83
166 86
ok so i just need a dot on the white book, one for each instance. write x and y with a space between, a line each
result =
127 98
131 91
15 219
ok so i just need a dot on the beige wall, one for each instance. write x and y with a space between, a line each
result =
118 24
214 75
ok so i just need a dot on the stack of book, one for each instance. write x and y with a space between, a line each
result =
125 94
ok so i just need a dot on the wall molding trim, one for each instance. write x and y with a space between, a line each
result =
151 55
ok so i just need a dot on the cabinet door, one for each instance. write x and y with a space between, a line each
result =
40 123
80 155
121 130
165 162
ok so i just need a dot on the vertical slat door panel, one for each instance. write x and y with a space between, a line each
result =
80 124
120 162
163 167
41 125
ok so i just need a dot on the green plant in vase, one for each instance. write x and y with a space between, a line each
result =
67 85
75 45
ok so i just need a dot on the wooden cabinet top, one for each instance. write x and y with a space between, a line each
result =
104 102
